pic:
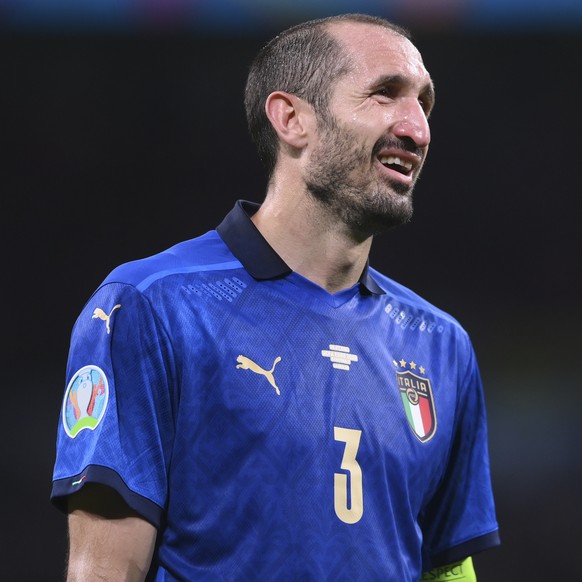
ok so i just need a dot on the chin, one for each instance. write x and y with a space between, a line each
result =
391 209
388 221
369 221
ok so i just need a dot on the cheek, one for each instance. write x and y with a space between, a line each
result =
370 126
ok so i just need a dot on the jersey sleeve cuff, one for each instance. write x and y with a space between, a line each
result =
62 488
466 549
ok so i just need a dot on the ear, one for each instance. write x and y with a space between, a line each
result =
289 115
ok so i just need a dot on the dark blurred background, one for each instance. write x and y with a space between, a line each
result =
122 132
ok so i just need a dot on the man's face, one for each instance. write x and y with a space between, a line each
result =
373 140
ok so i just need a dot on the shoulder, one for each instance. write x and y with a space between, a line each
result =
408 302
140 295
206 252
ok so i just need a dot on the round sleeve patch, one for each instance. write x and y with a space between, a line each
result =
85 400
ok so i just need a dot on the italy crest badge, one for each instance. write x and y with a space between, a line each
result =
417 398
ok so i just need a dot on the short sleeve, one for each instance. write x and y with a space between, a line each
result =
460 520
116 425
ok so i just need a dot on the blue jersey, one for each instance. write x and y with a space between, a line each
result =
271 430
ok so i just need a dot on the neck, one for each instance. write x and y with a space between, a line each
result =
315 245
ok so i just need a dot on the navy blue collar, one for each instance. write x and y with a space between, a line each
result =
257 256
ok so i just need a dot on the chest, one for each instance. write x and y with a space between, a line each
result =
324 387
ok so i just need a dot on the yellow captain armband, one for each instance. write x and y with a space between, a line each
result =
457 572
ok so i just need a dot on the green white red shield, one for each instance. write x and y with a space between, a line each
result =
418 402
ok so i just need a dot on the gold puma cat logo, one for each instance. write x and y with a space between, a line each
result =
99 313
247 364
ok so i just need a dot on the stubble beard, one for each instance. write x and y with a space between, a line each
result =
340 178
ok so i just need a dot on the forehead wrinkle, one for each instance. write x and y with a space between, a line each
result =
383 56
380 43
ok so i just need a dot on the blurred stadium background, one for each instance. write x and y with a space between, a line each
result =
123 132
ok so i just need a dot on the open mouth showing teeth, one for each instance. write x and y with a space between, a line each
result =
397 164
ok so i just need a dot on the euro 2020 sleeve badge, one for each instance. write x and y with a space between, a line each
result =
85 400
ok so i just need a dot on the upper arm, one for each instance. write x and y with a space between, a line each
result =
459 520
106 538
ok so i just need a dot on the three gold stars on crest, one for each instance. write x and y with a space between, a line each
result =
413 365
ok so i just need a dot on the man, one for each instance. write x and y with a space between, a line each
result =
262 404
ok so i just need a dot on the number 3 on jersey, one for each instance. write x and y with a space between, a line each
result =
344 488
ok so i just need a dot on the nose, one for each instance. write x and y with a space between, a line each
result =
412 123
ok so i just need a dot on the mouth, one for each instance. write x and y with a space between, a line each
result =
397 164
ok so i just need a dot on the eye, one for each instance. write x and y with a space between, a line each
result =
384 92
426 101
426 104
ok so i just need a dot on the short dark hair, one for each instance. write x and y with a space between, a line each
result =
303 60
